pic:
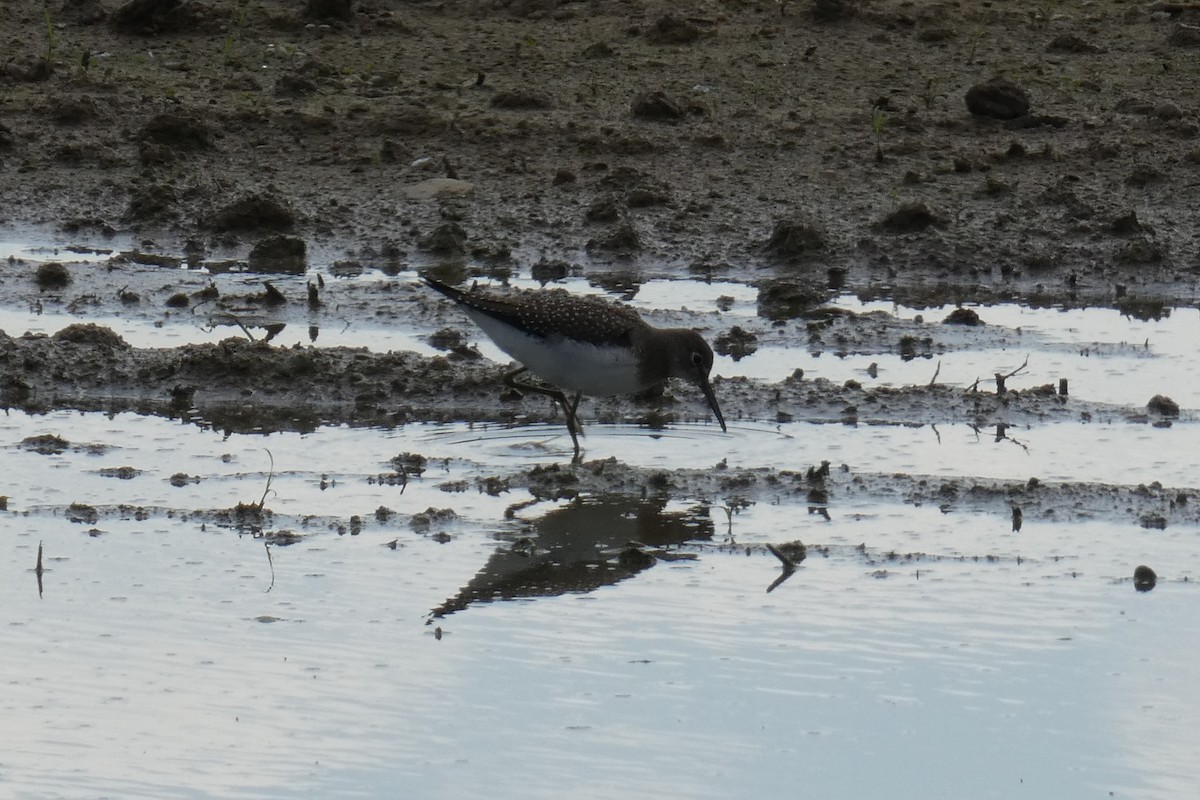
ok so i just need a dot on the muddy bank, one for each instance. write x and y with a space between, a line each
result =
828 141
244 386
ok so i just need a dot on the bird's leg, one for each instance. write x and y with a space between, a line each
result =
568 407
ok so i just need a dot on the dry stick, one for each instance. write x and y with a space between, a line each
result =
935 374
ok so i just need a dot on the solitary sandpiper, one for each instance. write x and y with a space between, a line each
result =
585 345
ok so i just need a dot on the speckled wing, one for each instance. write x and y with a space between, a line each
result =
555 313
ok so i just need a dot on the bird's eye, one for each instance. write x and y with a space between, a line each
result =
697 359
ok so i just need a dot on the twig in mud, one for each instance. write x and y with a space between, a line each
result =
271 564
270 476
1000 379
936 372
936 432
38 570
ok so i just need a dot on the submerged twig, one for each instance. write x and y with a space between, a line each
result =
38 570
270 476
271 563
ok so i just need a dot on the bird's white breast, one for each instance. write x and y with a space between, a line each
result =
598 371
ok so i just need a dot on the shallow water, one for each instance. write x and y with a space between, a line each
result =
987 664
524 650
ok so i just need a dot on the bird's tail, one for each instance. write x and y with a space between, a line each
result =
452 292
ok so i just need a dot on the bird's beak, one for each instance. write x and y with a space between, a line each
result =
706 387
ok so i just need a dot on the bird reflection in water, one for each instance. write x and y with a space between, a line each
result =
592 542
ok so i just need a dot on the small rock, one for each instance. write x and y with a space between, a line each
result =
657 106
1144 578
179 300
670 29
1161 404
1070 43
909 218
998 98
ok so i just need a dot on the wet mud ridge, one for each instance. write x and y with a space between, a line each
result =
243 386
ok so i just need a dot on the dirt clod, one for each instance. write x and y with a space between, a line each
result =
657 106
52 275
794 239
92 335
998 98
963 316
282 254
254 212
909 218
